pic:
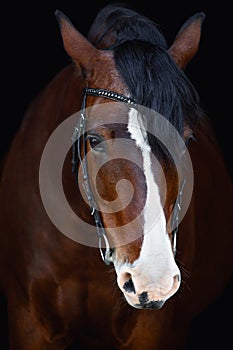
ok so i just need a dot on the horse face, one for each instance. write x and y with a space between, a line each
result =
135 194
136 219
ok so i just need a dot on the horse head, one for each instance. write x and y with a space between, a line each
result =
131 178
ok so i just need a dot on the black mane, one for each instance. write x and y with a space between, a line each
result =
151 75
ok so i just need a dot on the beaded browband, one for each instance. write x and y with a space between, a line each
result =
109 94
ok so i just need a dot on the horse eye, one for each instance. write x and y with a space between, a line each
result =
95 143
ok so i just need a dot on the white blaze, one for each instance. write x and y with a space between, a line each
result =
156 264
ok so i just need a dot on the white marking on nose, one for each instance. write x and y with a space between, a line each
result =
156 264
153 211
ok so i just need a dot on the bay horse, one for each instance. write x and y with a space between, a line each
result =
134 115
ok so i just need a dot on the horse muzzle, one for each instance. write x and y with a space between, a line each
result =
148 295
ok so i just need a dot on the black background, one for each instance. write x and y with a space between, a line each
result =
32 53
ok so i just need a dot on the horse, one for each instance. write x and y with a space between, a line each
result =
115 220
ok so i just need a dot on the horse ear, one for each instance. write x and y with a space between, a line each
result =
186 43
76 45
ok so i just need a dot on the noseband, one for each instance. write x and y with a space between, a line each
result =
77 159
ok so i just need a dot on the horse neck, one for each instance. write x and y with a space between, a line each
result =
57 101
60 99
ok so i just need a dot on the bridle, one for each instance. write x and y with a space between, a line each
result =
77 159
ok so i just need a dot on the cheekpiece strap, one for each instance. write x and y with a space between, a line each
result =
109 94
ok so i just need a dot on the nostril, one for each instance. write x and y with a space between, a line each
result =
128 286
168 291
177 280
